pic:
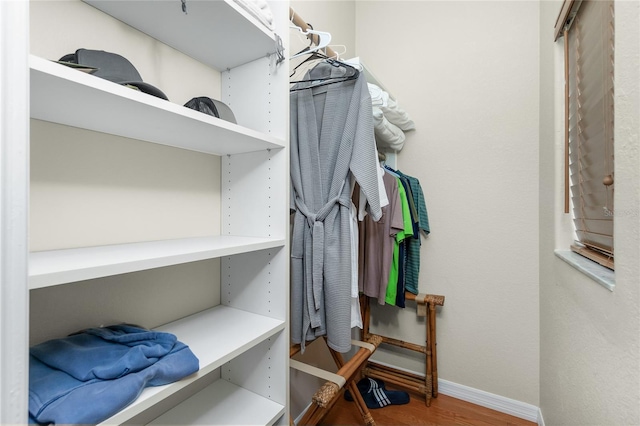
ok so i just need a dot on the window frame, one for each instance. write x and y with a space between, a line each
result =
566 17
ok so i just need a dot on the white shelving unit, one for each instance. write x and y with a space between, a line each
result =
214 346
223 36
224 400
136 115
242 342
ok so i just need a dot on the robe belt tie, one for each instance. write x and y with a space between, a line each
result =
316 223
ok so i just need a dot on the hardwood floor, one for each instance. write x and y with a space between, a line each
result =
444 411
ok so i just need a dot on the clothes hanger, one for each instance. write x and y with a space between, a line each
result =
324 38
316 51
343 50
351 73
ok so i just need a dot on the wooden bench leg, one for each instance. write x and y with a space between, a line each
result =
323 401
362 406
433 343
353 387
428 379
348 373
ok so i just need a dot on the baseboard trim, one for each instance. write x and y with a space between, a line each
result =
297 419
495 402
540 419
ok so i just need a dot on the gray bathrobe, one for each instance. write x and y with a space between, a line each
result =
332 141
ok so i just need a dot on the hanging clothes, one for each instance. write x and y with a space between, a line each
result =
396 274
376 243
401 242
403 255
412 269
331 140
356 315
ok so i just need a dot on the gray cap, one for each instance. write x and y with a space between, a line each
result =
113 67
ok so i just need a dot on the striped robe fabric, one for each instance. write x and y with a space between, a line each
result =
332 141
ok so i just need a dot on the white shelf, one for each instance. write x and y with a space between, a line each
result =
223 403
371 78
63 95
202 33
244 340
215 336
49 268
392 157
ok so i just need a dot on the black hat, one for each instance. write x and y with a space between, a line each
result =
212 107
113 67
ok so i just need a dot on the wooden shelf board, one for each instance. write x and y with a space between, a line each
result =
63 95
49 268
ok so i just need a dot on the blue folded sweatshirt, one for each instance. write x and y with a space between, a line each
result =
89 376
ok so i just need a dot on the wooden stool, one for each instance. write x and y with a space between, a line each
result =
427 385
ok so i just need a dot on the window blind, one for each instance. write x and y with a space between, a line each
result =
591 117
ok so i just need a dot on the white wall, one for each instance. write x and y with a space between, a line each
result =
590 336
66 213
467 72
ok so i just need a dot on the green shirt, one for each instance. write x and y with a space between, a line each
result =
392 287
413 244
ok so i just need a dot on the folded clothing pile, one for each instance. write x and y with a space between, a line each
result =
375 395
89 376
389 120
260 10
